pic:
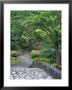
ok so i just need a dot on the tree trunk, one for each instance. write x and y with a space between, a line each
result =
58 57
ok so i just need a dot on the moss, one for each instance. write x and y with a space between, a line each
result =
15 61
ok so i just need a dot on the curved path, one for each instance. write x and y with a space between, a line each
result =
26 60
23 71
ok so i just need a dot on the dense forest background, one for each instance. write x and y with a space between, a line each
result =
37 30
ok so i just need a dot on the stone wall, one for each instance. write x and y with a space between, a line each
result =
55 73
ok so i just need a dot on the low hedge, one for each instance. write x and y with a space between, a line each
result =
15 53
40 60
35 53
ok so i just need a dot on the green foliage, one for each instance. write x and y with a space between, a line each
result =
40 35
16 61
15 53
44 52
50 61
40 59
28 27
48 53
25 22
35 53
43 59
57 66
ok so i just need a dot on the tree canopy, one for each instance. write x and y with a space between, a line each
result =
27 27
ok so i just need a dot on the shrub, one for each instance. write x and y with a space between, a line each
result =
40 59
57 66
51 61
43 59
48 53
14 54
35 53
44 52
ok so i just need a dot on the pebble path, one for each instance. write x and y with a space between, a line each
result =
28 73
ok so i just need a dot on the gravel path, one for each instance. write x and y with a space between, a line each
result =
26 60
28 73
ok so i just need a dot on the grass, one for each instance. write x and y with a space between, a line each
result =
16 61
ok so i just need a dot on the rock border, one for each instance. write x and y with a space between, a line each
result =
49 69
